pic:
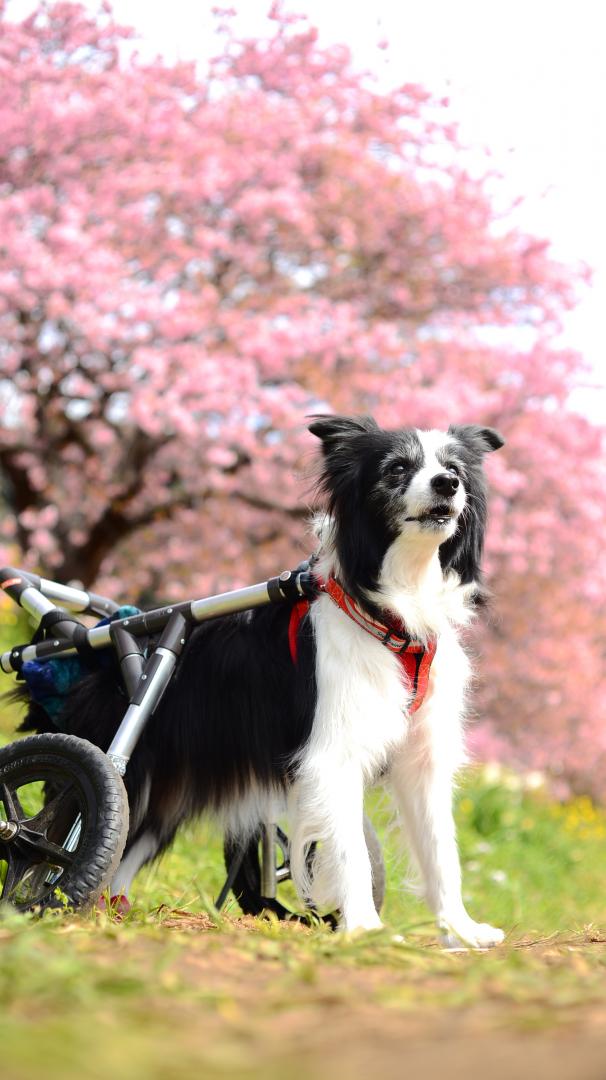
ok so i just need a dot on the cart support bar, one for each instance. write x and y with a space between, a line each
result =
227 603
147 695
288 586
14 581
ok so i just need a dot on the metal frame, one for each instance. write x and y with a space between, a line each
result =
145 678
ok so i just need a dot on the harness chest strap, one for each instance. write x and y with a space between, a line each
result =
414 657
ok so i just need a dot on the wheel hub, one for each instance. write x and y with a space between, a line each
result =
8 830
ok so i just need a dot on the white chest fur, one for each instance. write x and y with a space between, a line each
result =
363 703
362 700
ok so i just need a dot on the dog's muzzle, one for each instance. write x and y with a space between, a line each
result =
441 514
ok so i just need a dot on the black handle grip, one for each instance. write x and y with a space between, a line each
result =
292 585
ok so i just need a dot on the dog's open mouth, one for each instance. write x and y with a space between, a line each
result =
438 515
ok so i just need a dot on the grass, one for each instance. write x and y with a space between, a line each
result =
175 990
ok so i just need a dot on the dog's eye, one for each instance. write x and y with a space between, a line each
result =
451 467
397 468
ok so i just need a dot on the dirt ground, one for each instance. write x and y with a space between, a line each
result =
328 1021
177 996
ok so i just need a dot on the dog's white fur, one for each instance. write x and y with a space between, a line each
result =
363 729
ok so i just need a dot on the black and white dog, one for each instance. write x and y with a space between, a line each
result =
306 706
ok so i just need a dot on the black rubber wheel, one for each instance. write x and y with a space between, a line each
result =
246 885
63 822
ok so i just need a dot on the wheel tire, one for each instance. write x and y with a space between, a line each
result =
78 779
247 882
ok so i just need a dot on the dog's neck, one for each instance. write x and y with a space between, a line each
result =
412 565
411 584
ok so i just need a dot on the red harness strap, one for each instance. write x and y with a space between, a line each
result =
414 657
297 614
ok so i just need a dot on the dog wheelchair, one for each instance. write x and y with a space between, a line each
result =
64 810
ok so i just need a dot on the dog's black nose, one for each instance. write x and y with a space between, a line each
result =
445 483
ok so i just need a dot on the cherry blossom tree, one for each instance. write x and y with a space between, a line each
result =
191 261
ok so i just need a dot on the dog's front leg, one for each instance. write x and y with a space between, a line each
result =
327 807
423 787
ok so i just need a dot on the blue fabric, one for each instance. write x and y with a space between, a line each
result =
49 681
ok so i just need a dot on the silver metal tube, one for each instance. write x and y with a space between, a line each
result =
30 653
268 861
225 603
76 599
98 638
73 836
70 844
136 716
36 605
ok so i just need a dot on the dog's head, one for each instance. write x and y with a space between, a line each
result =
425 487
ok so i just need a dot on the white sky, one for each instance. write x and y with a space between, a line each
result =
526 79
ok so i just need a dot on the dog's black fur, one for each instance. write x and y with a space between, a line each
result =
236 710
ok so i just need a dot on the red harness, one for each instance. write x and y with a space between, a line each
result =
414 657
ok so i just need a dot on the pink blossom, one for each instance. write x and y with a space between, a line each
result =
192 261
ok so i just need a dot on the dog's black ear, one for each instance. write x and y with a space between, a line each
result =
463 551
481 439
336 430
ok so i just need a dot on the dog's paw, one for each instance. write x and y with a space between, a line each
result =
470 935
361 925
